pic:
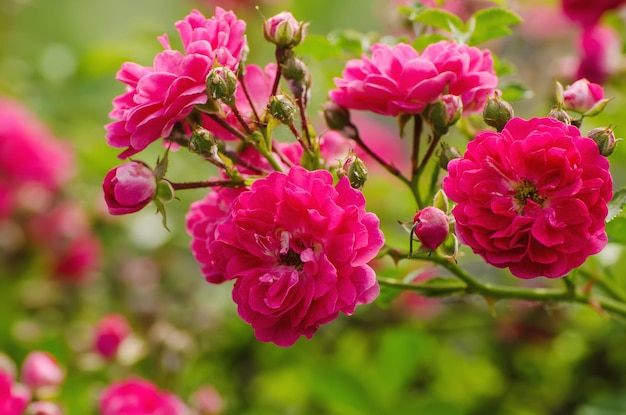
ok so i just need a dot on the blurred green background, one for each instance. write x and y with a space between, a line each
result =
415 356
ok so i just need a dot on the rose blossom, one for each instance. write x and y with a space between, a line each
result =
298 248
588 13
109 334
283 30
129 188
431 227
532 198
398 80
13 397
600 50
582 95
138 397
160 96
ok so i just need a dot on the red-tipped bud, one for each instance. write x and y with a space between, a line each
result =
109 334
605 139
41 370
582 96
444 113
284 30
129 188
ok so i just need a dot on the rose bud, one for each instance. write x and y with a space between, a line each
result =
284 30
431 227
41 370
129 188
605 139
109 334
282 108
444 113
43 408
582 96
222 84
497 112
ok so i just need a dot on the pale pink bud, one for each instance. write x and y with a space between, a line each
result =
208 401
41 370
129 187
431 227
284 30
43 408
109 334
582 95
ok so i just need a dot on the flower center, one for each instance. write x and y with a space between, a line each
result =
291 258
527 190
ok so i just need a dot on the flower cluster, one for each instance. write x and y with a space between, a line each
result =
160 96
397 79
532 198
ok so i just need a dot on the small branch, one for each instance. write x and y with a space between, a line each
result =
243 122
244 87
207 183
304 122
228 127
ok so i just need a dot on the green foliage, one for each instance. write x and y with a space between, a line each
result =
616 205
490 24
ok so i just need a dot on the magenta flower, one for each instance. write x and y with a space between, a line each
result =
129 188
398 80
13 397
472 76
532 198
43 408
588 13
582 95
431 227
109 334
41 370
138 397
159 97
298 248
600 49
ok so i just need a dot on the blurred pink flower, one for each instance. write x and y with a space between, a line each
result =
138 397
129 188
208 401
157 98
109 333
29 154
532 198
582 95
77 259
588 13
398 80
13 397
43 408
600 49
298 248
41 370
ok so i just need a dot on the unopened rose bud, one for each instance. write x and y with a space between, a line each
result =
129 188
109 334
582 96
298 77
222 84
282 108
605 139
336 116
448 153
201 142
284 30
356 171
41 370
497 112
444 113
558 113
431 227
43 408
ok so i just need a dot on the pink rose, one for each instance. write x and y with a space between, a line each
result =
431 227
41 370
77 259
588 13
13 397
158 97
109 334
398 80
600 50
43 408
208 401
129 188
532 198
298 249
582 95
470 70
138 397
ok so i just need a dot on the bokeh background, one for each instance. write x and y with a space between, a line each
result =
408 356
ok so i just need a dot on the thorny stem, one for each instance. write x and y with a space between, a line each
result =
304 145
470 285
279 71
244 87
304 122
243 122
207 183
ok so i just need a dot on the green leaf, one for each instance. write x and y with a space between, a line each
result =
438 18
502 67
616 205
387 295
319 47
492 23
350 41
515 91
616 230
